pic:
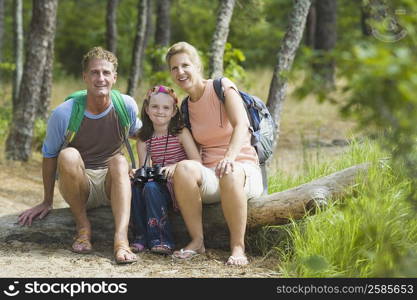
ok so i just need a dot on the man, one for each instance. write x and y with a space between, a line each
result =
91 170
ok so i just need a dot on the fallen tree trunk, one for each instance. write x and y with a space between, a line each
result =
274 209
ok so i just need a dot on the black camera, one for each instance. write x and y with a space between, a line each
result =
146 174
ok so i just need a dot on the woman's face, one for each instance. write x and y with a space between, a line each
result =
183 71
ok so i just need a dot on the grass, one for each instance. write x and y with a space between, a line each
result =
372 232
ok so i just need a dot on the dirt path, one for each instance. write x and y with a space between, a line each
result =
22 187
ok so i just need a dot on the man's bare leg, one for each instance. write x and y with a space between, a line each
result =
118 189
74 187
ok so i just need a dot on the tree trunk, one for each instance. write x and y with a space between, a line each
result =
163 31
366 28
274 209
325 41
1 29
111 25
46 90
285 58
139 47
218 42
18 48
42 32
310 30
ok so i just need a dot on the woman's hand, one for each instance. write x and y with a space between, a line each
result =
169 171
225 166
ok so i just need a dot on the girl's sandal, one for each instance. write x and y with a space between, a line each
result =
121 248
162 249
82 244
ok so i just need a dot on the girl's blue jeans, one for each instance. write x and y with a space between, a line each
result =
150 202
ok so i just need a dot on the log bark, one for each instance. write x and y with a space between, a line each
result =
218 42
274 209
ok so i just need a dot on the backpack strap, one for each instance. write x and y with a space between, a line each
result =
218 88
124 121
184 113
77 115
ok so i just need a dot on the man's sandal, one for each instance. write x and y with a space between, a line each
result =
122 249
82 244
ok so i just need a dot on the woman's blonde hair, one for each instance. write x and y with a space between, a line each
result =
184 47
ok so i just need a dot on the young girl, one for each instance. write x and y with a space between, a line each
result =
165 141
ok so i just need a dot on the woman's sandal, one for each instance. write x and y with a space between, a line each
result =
239 261
123 246
185 254
82 244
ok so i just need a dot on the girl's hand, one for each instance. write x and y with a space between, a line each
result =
169 171
225 166
132 173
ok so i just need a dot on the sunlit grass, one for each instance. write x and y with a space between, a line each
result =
371 232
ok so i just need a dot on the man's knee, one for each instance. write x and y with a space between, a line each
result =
69 160
69 156
118 163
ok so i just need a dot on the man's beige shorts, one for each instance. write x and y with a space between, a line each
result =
210 188
97 195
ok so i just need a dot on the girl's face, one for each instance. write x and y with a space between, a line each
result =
183 71
161 109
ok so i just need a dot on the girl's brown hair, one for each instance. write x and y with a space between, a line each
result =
175 124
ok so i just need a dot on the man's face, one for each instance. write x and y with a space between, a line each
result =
99 77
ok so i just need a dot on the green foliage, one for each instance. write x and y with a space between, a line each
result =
378 80
191 22
369 233
381 82
80 26
156 55
257 28
5 118
39 133
233 59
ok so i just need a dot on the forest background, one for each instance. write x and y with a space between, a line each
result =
356 57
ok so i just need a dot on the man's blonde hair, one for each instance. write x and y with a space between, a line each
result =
184 47
100 53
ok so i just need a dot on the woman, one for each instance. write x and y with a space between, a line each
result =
230 171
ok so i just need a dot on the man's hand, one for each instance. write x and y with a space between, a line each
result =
37 212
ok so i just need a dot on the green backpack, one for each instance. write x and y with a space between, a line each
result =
77 115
